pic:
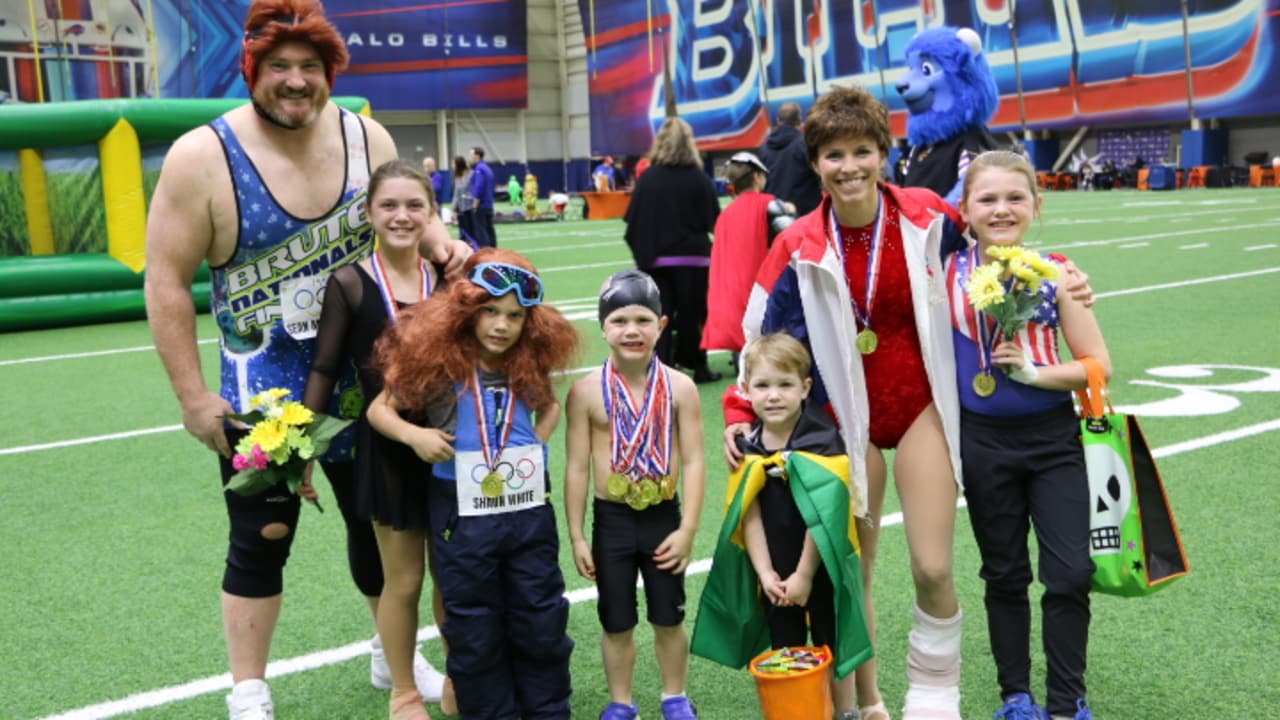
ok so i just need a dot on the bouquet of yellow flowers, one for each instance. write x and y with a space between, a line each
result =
1008 289
284 437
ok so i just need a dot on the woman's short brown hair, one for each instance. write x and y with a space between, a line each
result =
846 112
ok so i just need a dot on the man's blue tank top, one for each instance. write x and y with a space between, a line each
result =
267 297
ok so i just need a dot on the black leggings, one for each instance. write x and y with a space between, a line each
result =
362 545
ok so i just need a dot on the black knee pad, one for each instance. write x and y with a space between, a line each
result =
255 564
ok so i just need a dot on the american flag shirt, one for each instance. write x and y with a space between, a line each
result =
1040 336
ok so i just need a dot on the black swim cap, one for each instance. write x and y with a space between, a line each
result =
629 287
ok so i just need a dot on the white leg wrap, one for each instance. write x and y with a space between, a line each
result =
933 668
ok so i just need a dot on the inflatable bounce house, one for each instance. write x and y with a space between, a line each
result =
75 178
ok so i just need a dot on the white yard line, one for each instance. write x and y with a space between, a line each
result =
1253 248
1195 246
333 656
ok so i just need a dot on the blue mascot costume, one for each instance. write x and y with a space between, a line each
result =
951 94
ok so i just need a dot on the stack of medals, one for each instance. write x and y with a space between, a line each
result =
503 402
639 438
792 660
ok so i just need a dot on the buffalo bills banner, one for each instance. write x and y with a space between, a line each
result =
1082 62
459 54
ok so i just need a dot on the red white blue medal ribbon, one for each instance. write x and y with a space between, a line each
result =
873 261
639 438
383 282
981 327
492 447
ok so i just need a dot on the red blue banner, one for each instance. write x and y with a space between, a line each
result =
405 55
1081 62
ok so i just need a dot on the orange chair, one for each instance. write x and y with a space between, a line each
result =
1196 178
1045 180
1260 176
1143 175
1066 181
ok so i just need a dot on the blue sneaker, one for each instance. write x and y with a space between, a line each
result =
678 708
618 711
1020 706
1082 710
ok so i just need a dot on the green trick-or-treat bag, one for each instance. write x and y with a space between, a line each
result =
1133 537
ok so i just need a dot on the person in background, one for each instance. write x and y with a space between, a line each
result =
672 213
463 207
482 186
791 177
437 180
603 176
242 193
744 232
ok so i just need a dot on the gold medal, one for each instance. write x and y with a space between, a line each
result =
492 484
616 486
649 491
635 498
984 384
867 341
667 485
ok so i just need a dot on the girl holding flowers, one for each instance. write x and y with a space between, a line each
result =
468 387
386 481
1020 448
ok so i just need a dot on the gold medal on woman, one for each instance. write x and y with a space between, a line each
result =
984 384
667 484
867 341
616 486
492 484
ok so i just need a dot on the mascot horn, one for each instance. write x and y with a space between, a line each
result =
951 94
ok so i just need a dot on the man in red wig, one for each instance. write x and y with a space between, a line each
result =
272 195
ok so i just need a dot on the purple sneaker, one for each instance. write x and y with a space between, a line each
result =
1020 706
678 708
618 711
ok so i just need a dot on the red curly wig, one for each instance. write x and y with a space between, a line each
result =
272 22
433 348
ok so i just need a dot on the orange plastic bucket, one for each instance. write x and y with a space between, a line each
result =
796 695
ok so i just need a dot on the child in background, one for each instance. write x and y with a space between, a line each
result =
531 196
471 367
789 505
634 435
559 203
1021 453
359 301
744 231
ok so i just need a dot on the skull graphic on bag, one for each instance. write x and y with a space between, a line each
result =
1111 488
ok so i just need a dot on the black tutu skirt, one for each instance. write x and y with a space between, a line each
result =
393 482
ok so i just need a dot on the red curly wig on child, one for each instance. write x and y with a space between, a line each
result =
433 348
272 22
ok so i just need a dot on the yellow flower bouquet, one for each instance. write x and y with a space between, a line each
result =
1008 289
284 436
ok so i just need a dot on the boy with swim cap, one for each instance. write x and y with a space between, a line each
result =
634 435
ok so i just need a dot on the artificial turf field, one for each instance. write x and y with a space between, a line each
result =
114 534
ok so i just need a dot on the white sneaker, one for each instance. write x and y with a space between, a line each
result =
250 700
430 681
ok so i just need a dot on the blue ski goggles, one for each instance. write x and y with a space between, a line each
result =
498 279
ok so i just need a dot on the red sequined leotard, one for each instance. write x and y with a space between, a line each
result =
897 384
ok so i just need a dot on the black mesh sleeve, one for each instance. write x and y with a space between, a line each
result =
342 297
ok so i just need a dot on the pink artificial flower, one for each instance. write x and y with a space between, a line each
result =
260 459
240 462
